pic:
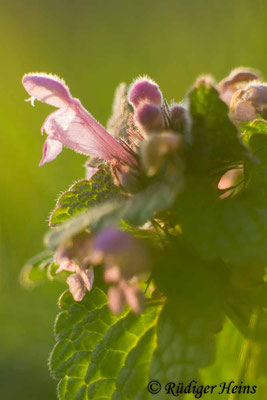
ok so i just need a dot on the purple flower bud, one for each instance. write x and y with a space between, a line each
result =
179 118
112 241
149 117
119 249
144 89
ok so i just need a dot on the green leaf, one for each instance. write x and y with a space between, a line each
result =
37 269
228 345
117 124
89 219
155 198
184 346
249 129
215 138
99 355
255 137
136 210
234 230
84 194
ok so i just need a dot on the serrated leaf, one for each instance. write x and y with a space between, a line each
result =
88 219
99 355
136 210
215 138
84 194
36 270
183 347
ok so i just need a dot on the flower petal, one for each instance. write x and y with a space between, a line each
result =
116 299
87 276
76 287
47 88
133 296
72 125
75 128
51 150
236 80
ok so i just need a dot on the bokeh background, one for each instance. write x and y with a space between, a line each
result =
93 45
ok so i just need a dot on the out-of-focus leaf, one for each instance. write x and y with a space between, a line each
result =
99 355
255 137
146 234
84 194
36 270
249 129
215 138
228 345
156 197
234 230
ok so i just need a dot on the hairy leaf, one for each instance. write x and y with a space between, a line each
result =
99 355
84 194
37 269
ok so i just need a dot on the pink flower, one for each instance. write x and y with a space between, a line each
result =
71 125
73 257
125 293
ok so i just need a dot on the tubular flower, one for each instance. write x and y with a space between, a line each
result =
71 125
124 258
73 257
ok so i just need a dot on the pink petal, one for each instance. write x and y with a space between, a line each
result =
51 150
115 299
133 296
87 276
91 170
72 125
112 274
65 265
47 88
76 286
76 128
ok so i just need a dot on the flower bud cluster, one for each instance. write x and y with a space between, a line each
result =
245 94
162 127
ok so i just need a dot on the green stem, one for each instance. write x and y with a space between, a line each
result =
245 353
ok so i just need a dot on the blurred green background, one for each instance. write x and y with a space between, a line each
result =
93 45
